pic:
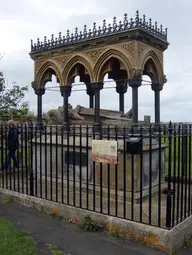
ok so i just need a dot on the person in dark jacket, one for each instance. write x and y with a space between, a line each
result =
13 145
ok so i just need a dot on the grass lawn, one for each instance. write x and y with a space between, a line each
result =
177 160
13 241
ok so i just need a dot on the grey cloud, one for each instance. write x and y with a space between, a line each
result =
27 20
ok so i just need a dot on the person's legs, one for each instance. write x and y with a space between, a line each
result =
7 161
16 163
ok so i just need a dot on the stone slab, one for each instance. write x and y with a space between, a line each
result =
46 159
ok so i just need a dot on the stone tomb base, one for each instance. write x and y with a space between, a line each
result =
51 154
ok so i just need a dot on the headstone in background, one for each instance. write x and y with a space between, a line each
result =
147 119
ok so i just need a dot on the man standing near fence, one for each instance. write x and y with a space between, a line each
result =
13 145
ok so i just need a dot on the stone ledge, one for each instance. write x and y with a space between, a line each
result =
163 239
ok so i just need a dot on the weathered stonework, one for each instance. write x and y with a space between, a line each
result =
131 50
62 60
38 64
94 54
97 56
160 56
141 48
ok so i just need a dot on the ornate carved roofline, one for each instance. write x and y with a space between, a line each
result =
127 26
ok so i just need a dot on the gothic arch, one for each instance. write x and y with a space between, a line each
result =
77 59
45 73
107 55
151 65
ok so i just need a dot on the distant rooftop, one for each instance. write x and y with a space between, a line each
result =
137 23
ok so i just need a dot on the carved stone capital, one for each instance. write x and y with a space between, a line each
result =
164 79
34 85
135 83
121 87
96 86
39 91
90 90
65 90
157 87
137 73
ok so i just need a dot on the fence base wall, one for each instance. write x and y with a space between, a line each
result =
163 239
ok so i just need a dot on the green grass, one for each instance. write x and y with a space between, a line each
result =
55 250
9 201
89 225
115 235
176 159
56 216
188 241
13 241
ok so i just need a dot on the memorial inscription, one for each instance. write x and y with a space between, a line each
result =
104 151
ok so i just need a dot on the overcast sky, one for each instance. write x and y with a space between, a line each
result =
23 20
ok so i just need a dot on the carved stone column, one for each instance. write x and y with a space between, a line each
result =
96 88
90 92
65 92
157 88
135 84
121 88
39 92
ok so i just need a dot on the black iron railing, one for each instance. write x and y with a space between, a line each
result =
150 182
101 31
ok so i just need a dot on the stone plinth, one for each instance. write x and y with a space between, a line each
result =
52 154
136 166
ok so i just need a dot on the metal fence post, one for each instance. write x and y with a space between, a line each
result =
169 190
185 166
31 183
184 148
31 168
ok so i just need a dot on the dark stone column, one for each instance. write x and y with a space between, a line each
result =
96 88
91 94
39 92
135 84
121 88
65 92
157 88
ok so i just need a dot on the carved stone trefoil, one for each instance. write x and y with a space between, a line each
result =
94 54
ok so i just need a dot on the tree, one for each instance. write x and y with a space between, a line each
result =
12 99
